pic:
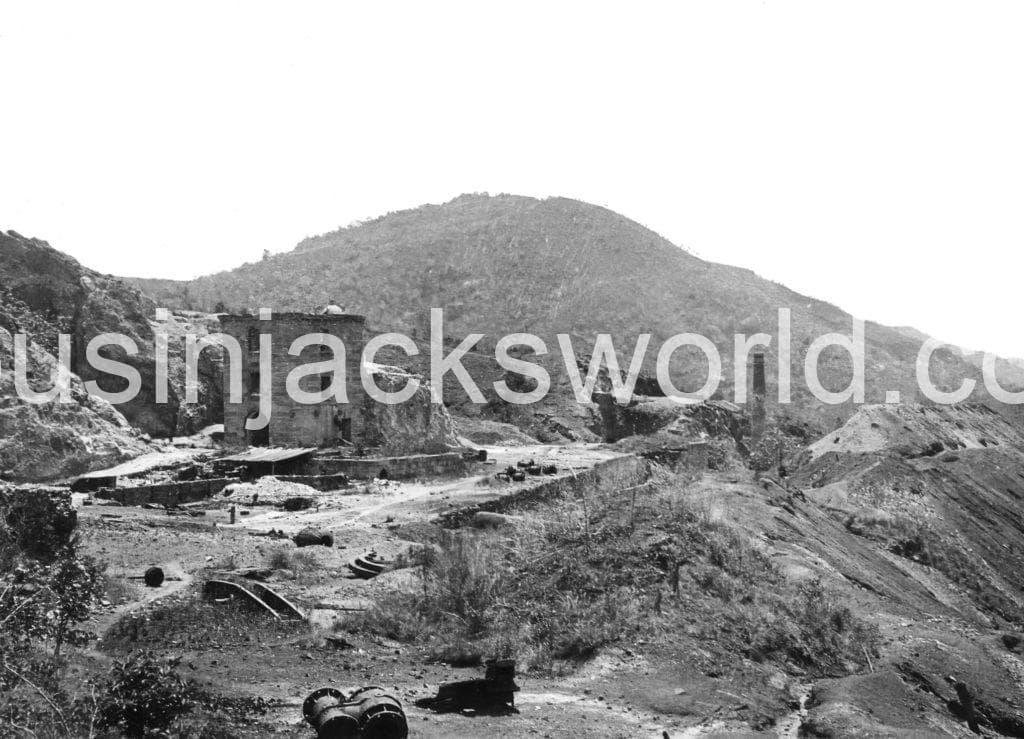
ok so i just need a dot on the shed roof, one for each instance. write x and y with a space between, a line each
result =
267 454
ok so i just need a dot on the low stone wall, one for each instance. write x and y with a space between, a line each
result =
168 493
323 483
608 476
396 468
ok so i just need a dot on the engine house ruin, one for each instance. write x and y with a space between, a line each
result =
323 424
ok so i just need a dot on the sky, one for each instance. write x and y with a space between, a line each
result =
870 154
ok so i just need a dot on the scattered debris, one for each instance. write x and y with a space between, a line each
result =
368 566
511 474
368 712
338 642
494 693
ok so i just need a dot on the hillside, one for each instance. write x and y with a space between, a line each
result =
49 292
509 263
52 439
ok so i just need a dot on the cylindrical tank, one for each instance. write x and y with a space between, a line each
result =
324 711
380 714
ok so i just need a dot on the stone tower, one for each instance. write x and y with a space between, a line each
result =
327 423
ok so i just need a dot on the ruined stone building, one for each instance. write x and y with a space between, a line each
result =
328 423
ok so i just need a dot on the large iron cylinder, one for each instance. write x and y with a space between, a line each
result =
380 714
369 713
325 712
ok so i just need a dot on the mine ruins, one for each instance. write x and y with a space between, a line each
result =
624 567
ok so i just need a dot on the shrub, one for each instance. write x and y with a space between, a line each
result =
300 562
75 584
37 524
144 695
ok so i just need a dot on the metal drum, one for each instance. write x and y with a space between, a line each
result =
380 714
325 712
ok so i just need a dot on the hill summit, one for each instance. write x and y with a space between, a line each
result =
507 263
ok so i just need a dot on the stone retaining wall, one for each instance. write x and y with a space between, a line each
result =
608 476
323 483
397 468
168 493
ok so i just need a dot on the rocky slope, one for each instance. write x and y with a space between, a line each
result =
915 515
507 263
53 440
938 485
417 426
54 293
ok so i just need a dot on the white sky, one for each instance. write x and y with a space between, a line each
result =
870 154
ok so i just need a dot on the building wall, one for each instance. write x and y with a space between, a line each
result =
397 468
292 423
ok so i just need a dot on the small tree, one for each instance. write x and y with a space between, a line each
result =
75 583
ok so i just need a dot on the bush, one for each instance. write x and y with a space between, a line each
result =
36 524
299 562
144 695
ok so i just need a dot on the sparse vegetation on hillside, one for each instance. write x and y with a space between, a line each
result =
507 263
920 542
564 583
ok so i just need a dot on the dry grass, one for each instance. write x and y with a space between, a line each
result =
302 562
567 580
118 589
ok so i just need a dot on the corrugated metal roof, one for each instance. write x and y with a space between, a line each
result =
260 454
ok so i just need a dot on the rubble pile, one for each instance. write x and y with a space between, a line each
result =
267 490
